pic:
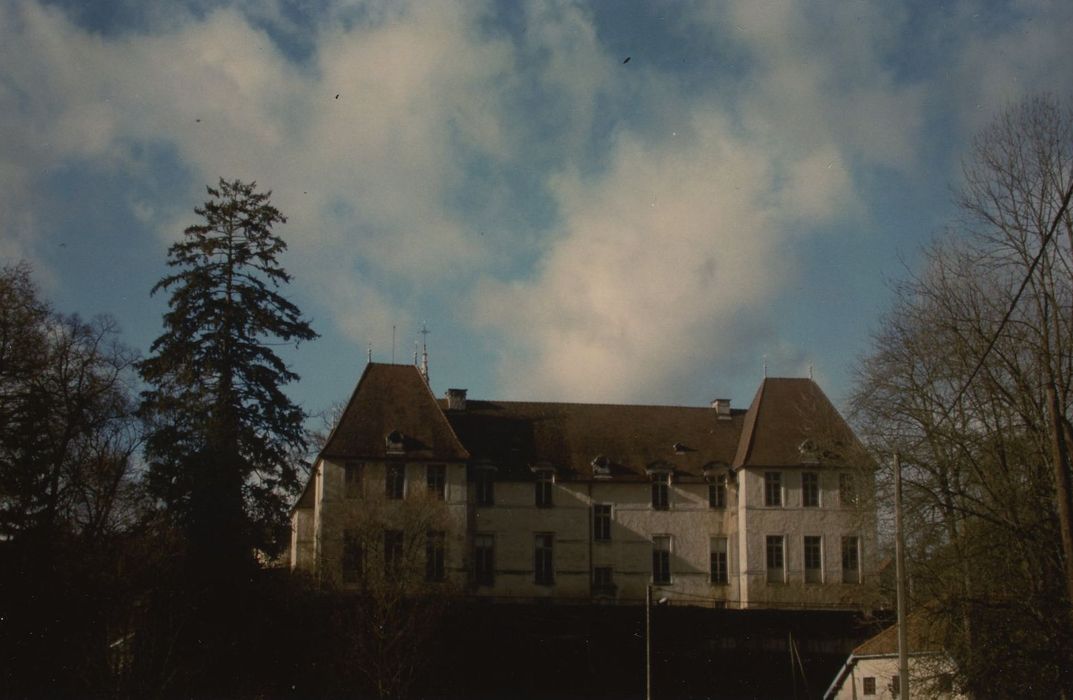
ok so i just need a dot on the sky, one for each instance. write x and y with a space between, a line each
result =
605 202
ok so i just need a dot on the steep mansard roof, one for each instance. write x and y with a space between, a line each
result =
393 399
790 423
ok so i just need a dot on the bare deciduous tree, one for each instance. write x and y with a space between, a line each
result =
387 560
958 382
68 493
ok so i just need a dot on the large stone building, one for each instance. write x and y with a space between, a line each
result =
763 507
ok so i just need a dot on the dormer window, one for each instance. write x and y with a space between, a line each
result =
809 452
679 448
601 467
395 441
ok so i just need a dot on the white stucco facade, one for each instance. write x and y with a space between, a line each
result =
567 501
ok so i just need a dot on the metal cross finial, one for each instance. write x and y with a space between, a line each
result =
424 350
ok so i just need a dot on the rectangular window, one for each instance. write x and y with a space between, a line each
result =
395 481
776 570
847 490
869 685
896 686
436 476
602 580
392 552
813 559
353 559
717 492
484 559
354 478
772 488
851 559
660 491
719 571
601 522
486 487
661 559
810 490
544 559
544 482
435 555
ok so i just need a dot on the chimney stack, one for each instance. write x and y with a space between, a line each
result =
722 408
456 399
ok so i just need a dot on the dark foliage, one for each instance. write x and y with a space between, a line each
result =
67 494
222 433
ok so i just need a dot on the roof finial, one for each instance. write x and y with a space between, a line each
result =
765 366
369 353
424 351
810 372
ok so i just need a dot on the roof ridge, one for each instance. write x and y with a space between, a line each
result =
342 416
748 430
594 404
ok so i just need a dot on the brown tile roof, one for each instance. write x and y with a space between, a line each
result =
791 422
925 635
515 435
390 398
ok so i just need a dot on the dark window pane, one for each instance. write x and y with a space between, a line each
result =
544 489
660 491
395 481
486 487
810 490
354 478
601 522
392 552
719 571
772 488
484 560
437 481
661 560
435 555
543 559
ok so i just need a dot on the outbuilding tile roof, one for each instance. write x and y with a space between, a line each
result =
924 635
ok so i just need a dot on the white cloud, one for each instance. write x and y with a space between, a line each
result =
364 177
668 248
821 78
665 262
994 67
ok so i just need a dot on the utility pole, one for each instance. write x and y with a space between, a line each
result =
899 554
648 642
1063 488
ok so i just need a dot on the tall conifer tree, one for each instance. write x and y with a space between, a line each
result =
222 433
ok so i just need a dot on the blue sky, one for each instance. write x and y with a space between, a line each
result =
571 225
